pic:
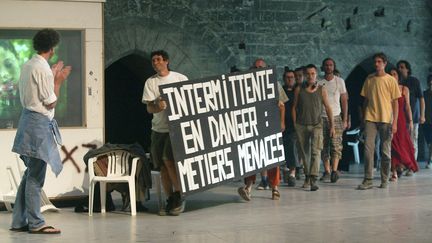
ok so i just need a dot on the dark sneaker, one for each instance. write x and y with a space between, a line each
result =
325 177
177 204
334 177
178 210
291 181
244 193
383 185
313 185
366 184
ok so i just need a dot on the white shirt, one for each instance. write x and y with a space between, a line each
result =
151 92
36 86
335 88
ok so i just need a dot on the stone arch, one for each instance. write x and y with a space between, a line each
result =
188 53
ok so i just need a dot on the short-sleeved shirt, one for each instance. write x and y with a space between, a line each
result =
414 87
380 91
151 93
36 86
309 106
335 88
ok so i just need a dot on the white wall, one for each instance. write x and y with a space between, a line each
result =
73 14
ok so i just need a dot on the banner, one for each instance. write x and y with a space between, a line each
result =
224 128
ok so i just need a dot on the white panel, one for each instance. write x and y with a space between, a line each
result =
53 14
94 35
94 85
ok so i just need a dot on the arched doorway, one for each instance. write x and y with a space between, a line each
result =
126 118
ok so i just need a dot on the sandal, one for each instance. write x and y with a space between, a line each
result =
45 230
394 178
275 194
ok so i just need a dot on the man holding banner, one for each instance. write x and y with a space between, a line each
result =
224 128
161 150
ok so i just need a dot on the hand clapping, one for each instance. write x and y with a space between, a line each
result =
60 72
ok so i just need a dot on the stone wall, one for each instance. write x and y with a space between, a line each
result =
204 37
208 37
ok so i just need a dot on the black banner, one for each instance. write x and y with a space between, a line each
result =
224 128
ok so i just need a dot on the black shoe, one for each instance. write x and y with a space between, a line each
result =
291 181
169 203
334 177
313 185
366 184
178 204
325 177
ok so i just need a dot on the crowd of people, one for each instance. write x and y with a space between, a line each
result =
314 115
317 115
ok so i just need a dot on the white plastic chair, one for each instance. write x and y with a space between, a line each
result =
355 144
119 170
9 198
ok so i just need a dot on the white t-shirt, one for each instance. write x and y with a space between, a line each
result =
36 86
151 92
335 88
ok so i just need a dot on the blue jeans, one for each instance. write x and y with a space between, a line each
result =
27 205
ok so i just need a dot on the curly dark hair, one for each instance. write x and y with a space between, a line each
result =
407 65
161 53
380 55
45 40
